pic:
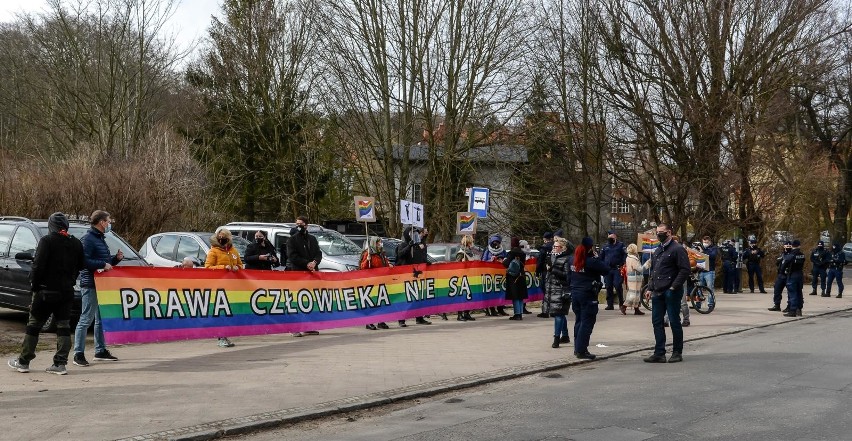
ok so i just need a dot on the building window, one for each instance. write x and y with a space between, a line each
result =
416 193
620 206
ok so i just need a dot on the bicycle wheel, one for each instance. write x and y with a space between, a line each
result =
702 299
646 303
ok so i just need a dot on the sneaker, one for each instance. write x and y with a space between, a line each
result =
675 358
15 364
298 334
371 327
684 323
105 356
383 325
80 360
224 342
655 359
58 369
311 332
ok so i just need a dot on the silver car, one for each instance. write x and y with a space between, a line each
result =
169 249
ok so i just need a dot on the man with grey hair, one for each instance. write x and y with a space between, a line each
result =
57 262
98 259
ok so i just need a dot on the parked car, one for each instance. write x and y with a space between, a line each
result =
338 252
847 249
169 249
357 239
19 238
440 252
390 245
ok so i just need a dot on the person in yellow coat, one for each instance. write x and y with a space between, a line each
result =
223 255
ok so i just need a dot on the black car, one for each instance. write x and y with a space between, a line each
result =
18 241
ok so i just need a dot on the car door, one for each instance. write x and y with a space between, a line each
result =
189 246
23 242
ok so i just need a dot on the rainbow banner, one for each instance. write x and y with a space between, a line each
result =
141 305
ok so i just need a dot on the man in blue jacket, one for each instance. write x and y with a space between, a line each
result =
614 255
97 258
669 271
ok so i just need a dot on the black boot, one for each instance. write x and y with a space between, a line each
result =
565 339
555 342
491 312
461 318
444 316
839 296
790 313
501 311
775 308
786 310
468 317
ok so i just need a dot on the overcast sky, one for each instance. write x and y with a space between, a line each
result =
189 22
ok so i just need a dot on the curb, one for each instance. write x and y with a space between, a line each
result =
278 418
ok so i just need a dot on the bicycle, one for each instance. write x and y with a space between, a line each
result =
701 298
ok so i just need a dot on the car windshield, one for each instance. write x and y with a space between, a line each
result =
114 242
239 243
333 243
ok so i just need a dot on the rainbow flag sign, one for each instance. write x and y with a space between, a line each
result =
140 305
365 209
465 223
647 243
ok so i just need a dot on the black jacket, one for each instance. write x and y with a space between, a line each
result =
58 261
581 281
669 268
410 253
253 253
302 248
543 257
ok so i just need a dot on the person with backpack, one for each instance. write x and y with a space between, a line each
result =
516 281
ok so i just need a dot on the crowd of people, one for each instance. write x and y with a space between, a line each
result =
571 280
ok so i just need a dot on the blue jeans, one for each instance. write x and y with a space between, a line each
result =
89 314
585 307
667 303
560 325
835 274
518 306
707 278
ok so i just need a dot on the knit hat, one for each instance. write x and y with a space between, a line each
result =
548 235
559 233
57 222
587 242
796 243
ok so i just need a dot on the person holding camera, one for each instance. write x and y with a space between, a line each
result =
260 255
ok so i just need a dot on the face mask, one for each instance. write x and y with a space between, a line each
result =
787 250
301 229
706 244
611 241
108 228
662 237
415 237
259 240
223 241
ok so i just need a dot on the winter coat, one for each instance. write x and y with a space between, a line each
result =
516 286
57 263
373 256
633 281
493 254
97 256
253 253
581 281
410 253
302 248
219 256
543 258
556 287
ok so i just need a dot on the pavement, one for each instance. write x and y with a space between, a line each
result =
194 390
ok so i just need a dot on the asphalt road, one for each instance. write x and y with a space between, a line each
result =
786 382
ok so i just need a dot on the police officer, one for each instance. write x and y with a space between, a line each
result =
614 255
820 257
584 281
729 263
781 280
835 271
792 265
752 257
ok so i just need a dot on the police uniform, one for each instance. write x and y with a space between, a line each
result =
729 262
835 271
752 257
780 281
793 264
820 257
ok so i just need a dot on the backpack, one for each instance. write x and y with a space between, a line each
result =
514 268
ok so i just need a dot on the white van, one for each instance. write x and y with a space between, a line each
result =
338 253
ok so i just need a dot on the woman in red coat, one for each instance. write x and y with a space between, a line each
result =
374 257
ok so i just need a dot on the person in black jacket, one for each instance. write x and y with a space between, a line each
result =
303 254
58 260
541 270
669 272
585 282
260 255
412 251
820 258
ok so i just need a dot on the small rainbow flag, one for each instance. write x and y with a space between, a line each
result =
466 221
365 208
647 243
